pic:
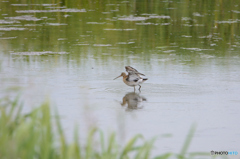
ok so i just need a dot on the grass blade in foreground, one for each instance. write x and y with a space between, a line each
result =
32 136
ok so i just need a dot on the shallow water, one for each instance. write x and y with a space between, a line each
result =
71 54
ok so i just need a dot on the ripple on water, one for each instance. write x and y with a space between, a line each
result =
195 49
62 39
159 16
50 11
24 17
165 23
38 53
148 23
82 44
125 43
11 28
186 18
120 29
169 51
8 38
228 22
186 36
235 11
95 23
156 16
197 14
206 56
19 4
150 16
8 21
102 45
56 24
32 24
208 37
132 18
33 4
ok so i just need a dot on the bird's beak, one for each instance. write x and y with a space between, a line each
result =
117 77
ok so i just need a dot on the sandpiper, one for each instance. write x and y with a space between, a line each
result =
133 77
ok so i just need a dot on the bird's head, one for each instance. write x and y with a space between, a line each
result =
122 74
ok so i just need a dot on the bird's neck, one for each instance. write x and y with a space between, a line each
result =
125 76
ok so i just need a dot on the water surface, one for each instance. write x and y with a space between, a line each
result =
70 52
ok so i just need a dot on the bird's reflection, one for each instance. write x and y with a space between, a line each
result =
133 101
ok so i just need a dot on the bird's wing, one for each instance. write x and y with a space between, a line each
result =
133 77
132 70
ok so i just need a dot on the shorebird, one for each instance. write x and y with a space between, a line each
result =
133 100
133 78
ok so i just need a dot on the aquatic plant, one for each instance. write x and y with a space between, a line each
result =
39 135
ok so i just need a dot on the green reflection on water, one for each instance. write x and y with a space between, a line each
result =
108 28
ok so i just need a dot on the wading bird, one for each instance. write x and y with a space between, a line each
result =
133 100
133 78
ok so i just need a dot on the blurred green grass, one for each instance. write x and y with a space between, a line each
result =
39 135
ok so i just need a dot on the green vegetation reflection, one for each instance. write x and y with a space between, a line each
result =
73 27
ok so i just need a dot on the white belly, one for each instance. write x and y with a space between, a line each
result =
133 83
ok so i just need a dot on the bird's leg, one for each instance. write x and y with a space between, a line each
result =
134 88
139 88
